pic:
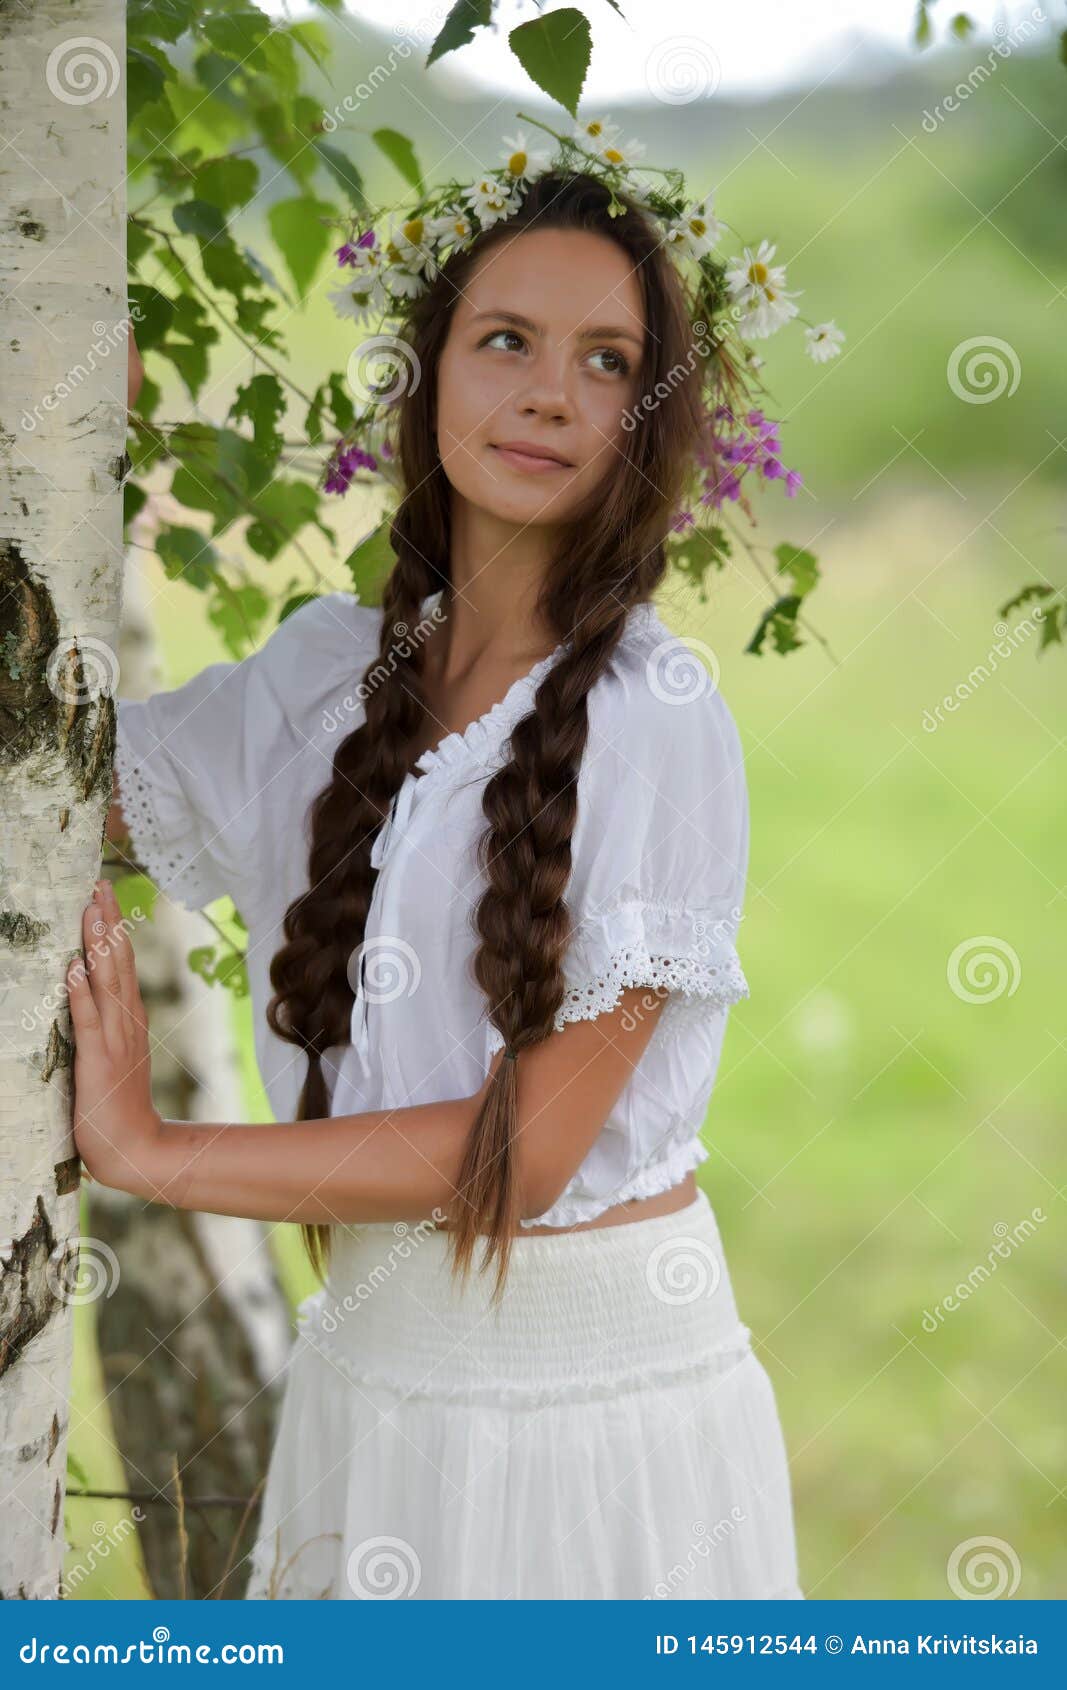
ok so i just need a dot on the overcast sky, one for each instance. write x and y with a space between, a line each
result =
671 48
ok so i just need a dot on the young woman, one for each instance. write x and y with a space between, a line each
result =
491 858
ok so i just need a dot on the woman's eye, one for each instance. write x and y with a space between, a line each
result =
622 363
498 332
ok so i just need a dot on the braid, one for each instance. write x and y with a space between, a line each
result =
522 918
313 994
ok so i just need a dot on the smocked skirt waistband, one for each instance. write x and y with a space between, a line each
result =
583 1314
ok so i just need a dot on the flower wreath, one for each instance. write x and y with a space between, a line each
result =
740 298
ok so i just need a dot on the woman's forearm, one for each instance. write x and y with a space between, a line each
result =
386 1165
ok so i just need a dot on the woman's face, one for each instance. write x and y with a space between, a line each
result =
543 350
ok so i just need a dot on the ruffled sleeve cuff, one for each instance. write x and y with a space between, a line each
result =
691 952
165 833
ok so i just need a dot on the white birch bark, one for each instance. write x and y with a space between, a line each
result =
62 441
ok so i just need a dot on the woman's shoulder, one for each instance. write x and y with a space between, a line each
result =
321 648
661 709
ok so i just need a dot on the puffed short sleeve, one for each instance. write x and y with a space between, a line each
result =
202 768
660 852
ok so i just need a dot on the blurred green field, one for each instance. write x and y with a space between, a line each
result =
874 1134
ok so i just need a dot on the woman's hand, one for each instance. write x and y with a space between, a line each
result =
116 1129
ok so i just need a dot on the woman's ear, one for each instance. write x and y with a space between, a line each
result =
134 370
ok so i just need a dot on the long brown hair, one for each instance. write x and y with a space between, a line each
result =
611 557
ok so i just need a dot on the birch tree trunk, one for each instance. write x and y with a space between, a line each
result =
62 458
194 1332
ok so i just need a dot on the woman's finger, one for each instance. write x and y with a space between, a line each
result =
103 972
125 968
83 1013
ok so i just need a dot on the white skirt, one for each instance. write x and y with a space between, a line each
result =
608 1432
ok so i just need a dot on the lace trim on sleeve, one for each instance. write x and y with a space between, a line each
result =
180 876
637 943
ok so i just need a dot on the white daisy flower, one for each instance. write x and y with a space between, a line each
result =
593 133
758 285
362 297
522 162
622 154
823 342
695 233
408 245
403 282
453 227
490 200
746 277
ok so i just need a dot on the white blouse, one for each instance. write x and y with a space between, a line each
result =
216 778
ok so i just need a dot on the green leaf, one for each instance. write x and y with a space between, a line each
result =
344 173
781 621
300 236
158 20
75 1470
282 510
458 29
401 154
185 554
344 414
313 420
962 26
152 313
190 361
238 613
238 33
294 603
801 565
262 401
313 40
220 965
370 562
226 182
145 79
554 51
134 499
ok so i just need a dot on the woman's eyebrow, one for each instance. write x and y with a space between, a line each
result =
601 332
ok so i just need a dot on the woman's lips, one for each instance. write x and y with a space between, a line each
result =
526 460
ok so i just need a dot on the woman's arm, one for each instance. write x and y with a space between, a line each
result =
398 1164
